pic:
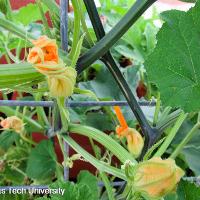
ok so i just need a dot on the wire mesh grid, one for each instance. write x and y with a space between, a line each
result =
72 104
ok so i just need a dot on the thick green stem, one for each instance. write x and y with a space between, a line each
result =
103 175
40 111
121 153
188 137
64 115
101 166
114 35
17 30
108 186
62 149
171 135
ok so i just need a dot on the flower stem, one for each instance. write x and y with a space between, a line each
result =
40 111
84 25
27 140
188 137
171 135
44 20
108 186
121 153
77 28
101 166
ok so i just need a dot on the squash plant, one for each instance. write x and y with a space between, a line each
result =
49 72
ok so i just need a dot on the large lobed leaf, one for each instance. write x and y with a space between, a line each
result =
42 161
185 191
188 191
174 64
86 188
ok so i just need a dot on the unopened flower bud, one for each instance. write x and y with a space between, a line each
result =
156 177
134 140
13 123
128 168
62 85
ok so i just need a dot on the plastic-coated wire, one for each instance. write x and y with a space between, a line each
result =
64 43
72 104
64 24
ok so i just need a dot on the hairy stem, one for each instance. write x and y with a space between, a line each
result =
101 166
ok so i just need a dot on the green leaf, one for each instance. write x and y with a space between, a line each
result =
150 34
13 176
3 7
189 1
188 191
8 196
99 120
29 13
85 193
191 152
171 197
7 138
174 64
86 178
16 153
192 155
104 85
42 161
85 189
71 190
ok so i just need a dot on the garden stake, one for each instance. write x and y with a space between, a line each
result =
150 134
107 41
64 43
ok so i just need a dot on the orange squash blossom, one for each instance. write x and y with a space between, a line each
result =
134 139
